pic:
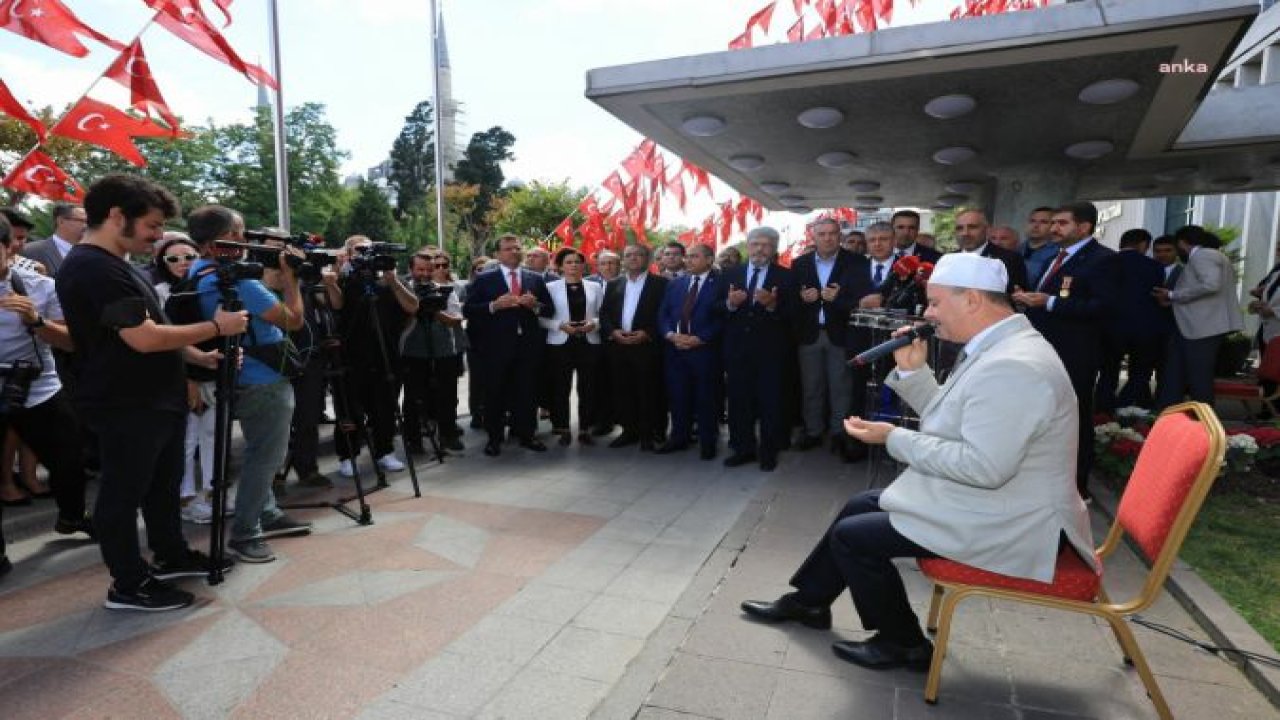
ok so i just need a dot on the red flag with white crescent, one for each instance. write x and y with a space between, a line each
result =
133 72
565 231
38 174
185 19
10 106
49 22
701 180
98 123
675 184
613 184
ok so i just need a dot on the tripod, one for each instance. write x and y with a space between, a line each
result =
225 394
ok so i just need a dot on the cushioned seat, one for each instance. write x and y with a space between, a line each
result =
1072 579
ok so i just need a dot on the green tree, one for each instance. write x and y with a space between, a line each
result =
536 209
481 166
413 160
371 214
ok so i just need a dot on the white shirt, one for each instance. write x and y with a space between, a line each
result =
978 250
631 299
886 263
824 268
63 246
15 340
506 277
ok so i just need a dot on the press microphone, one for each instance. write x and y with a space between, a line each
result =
919 332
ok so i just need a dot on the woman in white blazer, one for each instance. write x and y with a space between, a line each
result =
573 344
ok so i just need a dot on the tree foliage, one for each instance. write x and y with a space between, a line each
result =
536 209
481 166
371 214
413 158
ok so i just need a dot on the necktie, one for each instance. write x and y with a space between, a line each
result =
515 283
751 286
686 312
878 277
1053 269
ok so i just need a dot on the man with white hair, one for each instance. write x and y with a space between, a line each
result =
990 478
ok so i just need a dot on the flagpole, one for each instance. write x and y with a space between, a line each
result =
438 124
282 158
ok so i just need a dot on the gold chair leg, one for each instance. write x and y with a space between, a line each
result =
1130 645
947 609
934 604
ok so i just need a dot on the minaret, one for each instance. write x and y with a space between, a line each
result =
448 141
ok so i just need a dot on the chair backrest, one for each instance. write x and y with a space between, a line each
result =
1178 464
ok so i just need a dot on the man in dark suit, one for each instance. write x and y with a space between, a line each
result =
973 235
503 307
871 286
757 300
906 226
691 327
629 324
821 322
68 228
1136 330
1071 307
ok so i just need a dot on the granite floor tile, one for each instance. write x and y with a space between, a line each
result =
802 696
453 684
715 688
623 616
536 694
589 654
507 638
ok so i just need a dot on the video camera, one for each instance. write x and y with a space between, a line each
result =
307 268
15 384
432 299
367 261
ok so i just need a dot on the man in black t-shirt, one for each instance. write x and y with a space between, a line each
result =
131 389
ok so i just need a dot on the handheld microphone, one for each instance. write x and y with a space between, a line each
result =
919 332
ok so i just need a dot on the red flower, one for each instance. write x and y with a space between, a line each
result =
923 273
1265 436
906 266
1124 447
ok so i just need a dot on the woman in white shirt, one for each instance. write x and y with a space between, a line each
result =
573 344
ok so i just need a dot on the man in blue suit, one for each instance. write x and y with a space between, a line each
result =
758 302
691 326
503 308
1071 306
1137 329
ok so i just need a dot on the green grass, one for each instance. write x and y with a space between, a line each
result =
1233 546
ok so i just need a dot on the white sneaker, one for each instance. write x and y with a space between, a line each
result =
347 469
390 463
197 512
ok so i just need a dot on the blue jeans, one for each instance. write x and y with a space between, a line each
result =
264 412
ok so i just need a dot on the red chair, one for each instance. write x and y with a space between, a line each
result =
1178 464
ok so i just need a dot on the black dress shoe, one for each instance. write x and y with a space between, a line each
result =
493 449
768 464
709 453
788 608
533 444
807 442
671 447
601 430
624 440
880 654
739 458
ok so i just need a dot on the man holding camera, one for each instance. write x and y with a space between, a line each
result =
264 397
131 389
376 306
432 350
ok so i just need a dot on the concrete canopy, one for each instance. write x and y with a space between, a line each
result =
1024 70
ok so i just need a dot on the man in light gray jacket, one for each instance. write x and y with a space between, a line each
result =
1206 310
990 478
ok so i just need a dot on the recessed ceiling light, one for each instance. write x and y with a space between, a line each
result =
703 126
864 186
801 209
836 159
1138 187
746 163
869 200
951 200
1107 92
1234 181
820 118
950 106
954 155
1175 173
1089 149
773 187
791 200
962 187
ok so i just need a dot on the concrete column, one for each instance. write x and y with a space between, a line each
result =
1019 190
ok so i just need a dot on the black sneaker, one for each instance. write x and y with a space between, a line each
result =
63 526
253 550
285 526
193 564
152 595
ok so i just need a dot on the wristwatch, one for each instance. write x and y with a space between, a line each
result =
39 323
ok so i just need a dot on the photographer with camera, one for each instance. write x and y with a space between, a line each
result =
131 389
376 308
432 350
264 398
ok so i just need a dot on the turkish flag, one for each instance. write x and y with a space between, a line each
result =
613 184
49 22
10 106
726 222
588 206
132 71
866 15
225 7
675 184
565 231
741 42
799 5
884 10
762 18
827 11
700 178
185 19
38 174
687 238
796 32
707 236
740 213
100 124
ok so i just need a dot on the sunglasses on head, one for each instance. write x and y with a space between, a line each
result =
175 259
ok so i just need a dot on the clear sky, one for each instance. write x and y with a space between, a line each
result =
520 64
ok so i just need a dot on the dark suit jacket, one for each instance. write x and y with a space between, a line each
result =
45 253
706 323
1137 314
804 271
496 332
1013 263
646 317
751 329
926 254
1076 324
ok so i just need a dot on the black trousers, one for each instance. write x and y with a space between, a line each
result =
754 382
1084 380
509 378
636 372
308 407
141 455
52 430
431 393
370 398
576 356
605 414
1189 369
1143 353
857 553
